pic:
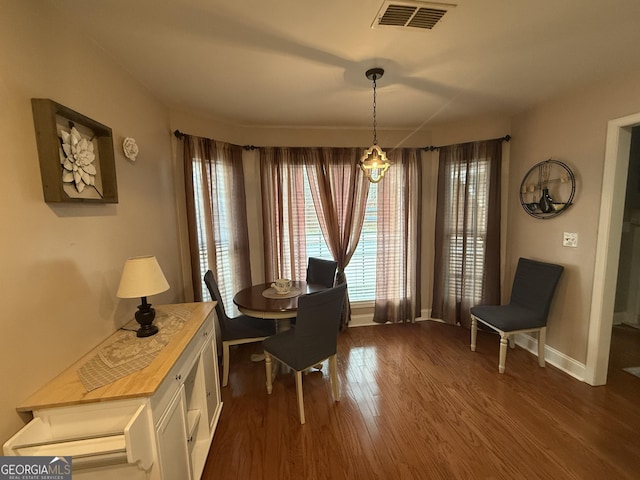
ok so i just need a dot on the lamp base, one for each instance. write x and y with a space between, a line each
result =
145 316
147 331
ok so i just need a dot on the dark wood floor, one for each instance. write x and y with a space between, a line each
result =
418 404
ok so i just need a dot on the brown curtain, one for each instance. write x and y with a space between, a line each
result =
283 208
339 193
467 233
399 239
216 214
339 190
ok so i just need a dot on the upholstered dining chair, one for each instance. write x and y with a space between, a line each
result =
321 272
237 330
314 340
534 285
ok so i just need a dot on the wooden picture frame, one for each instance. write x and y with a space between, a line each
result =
85 172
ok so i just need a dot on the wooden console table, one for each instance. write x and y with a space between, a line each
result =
156 423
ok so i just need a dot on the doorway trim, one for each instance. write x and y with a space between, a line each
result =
616 165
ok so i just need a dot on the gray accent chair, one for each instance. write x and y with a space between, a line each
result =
314 340
237 330
321 272
534 285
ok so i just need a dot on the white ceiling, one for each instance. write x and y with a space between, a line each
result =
303 62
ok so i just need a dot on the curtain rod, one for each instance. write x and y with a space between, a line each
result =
431 148
180 135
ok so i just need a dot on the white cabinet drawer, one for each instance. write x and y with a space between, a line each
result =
94 435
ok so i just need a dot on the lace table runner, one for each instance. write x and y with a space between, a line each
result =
126 353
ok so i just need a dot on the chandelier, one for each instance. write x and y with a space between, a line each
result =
374 161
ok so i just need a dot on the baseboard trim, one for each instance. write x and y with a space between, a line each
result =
366 319
552 356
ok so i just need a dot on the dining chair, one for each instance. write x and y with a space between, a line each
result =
314 340
237 330
321 272
534 285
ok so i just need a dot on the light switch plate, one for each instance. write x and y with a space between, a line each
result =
569 239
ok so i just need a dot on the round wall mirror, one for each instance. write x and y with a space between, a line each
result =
547 189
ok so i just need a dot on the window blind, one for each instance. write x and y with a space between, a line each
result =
467 251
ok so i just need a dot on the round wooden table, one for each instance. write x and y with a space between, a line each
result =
252 302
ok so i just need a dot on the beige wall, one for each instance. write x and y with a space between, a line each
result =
60 264
571 129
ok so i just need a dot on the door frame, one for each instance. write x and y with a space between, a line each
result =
616 166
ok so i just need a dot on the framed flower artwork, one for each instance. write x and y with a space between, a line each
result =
77 162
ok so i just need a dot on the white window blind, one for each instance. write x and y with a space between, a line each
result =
466 234
223 242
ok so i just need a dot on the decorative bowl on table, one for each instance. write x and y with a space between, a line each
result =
533 206
557 206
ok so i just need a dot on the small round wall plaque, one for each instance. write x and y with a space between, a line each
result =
130 148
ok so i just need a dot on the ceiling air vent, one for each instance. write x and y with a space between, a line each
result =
410 14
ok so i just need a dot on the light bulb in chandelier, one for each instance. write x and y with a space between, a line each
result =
374 161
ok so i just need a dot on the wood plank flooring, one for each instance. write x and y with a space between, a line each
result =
416 403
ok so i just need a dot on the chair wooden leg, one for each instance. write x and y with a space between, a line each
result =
542 339
474 333
267 366
503 352
333 374
512 342
225 363
299 393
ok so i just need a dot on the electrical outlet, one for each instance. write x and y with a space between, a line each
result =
570 239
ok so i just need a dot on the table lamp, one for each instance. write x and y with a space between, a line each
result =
143 277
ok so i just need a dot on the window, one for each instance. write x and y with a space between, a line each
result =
466 230
213 218
223 273
200 225
361 271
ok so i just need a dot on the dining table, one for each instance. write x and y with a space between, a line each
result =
263 301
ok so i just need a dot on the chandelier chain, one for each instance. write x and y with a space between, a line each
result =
375 122
374 161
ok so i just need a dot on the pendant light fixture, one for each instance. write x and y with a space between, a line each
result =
374 161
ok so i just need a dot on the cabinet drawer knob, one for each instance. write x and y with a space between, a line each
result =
179 377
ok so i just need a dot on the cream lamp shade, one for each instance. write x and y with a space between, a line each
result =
142 277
